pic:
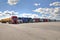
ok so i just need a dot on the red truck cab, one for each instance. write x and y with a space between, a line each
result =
14 20
36 20
45 20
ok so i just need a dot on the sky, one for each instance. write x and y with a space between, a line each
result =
30 8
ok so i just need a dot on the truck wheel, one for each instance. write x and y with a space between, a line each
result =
9 22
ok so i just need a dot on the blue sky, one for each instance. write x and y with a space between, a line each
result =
26 6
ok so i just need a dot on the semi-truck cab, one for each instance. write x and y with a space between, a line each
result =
13 20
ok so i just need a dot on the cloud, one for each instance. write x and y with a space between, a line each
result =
29 15
0 13
12 2
7 14
43 10
37 4
53 12
55 4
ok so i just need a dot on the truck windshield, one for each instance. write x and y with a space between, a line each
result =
14 18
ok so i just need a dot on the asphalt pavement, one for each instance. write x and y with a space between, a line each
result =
30 31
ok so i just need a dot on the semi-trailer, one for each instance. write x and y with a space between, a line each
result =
11 20
16 20
36 19
24 20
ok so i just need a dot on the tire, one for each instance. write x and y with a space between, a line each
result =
9 22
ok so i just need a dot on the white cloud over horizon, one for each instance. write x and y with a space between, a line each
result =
0 13
7 14
29 15
10 13
54 12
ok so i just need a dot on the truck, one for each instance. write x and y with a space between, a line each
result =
45 20
5 20
36 19
25 20
20 20
11 20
